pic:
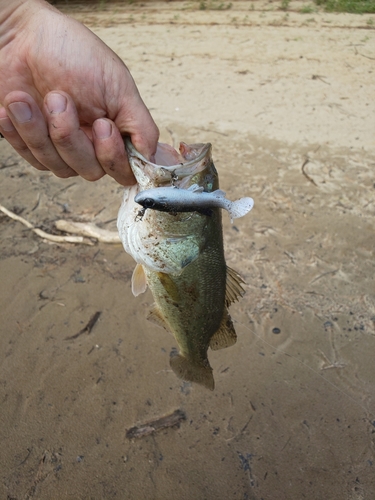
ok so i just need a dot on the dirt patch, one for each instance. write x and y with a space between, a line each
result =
286 99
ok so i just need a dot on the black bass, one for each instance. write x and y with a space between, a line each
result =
194 199
180 256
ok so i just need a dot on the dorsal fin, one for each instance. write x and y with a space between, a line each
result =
234 289
139 281
225 336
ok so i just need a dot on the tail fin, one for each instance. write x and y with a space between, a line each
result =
186 370
239 208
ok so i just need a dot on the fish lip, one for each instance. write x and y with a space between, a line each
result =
133 152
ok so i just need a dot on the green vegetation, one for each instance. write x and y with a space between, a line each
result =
214 5
353 6
307 9
284 4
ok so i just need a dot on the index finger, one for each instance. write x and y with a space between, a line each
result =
110 151
135 120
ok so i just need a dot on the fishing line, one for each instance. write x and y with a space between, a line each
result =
307 366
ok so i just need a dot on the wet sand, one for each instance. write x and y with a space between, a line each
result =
288 103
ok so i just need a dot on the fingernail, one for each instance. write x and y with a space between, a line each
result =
6 125
56 103
103 129
21 111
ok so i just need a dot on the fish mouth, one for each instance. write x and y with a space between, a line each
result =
168 158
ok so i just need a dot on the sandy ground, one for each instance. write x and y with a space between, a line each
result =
288 101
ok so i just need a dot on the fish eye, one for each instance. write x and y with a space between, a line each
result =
148 203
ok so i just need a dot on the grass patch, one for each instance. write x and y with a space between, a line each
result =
352 6
307 9
284 5
214 5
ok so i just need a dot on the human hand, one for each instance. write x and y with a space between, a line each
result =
66 97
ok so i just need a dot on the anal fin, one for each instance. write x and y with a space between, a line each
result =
225 336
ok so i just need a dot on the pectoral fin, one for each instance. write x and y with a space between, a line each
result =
225 336
139 281
234 288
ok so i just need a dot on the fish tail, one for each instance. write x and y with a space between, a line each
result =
239 208
185 369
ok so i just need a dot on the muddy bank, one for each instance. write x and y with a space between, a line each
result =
293 412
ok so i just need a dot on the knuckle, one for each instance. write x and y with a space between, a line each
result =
36 143
22 149
61 137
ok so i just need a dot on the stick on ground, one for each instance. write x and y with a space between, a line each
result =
43 234
171 420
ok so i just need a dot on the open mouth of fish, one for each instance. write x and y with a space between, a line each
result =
169 166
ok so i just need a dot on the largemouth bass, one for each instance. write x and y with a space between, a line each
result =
180 257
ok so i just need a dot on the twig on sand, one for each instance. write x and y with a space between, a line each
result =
47 236
5 164
82 230
363 55
87 229
367 57
90 325
306 174
321 78
324 274
174 419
